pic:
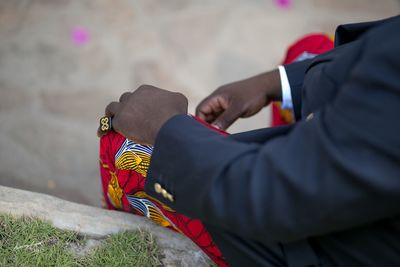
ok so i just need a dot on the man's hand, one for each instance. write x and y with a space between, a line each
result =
139 115
241 99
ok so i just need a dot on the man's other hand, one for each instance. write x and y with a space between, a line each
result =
139 115
240 99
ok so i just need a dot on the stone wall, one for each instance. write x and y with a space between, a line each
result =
62 61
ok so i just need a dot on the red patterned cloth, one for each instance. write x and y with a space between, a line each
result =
124 165
306 47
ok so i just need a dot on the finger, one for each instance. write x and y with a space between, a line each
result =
209 117
124 96
218 106
112 109
226 118
100 134
203 110
210 109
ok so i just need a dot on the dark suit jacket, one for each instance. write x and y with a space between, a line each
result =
333 179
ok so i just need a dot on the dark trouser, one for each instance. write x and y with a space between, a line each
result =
241 252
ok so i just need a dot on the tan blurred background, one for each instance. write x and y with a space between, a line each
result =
62 61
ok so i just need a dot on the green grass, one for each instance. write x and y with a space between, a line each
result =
31 242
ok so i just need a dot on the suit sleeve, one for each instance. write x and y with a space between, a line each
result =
295 73
261 136
339 170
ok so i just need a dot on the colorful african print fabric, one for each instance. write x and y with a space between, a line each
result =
124 165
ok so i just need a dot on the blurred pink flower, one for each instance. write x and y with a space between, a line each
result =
283 3
79 35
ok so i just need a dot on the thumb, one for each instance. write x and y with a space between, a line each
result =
226 118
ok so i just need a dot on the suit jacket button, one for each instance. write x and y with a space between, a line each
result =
170 197
310 116
164 193
158 188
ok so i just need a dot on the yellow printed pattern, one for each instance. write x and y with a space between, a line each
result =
115 192
133 156
149 209
142 194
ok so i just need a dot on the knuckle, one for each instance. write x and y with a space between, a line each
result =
124 96
111 107
144 87
108 107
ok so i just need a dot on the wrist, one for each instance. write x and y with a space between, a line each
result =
270 83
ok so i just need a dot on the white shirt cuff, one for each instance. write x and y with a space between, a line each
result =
287 102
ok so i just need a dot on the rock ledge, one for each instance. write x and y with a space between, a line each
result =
176 249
